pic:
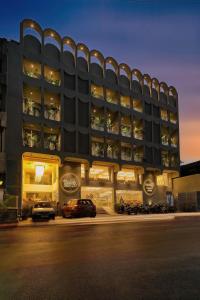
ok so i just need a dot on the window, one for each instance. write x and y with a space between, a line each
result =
126 176
32 69
97 91
112 149
164 136
52 76
138 131
31 101
112 96
173 118
174 140
137 105
125 101
52 139
97 118
112 122
100 173
126 152
126 128
165 158
138 154
98 147
31 135
51 106
164 114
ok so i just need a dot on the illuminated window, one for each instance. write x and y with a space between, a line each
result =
51 106
112 149
126 175
138 130
165 158
31 101
112 122
126 128
31 69
165 135
52 139
52 76
126 153
31 135
173 118
138 154
137 105
125 101
164 114
112 96
97 91
100 173
98 147
97 118
174 140
162 180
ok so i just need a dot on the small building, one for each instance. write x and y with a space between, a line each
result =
187 187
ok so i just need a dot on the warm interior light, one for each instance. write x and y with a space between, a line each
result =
32 25
32 65
1 182
81 48
39 172
52 35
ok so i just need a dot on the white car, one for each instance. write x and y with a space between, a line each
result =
43 210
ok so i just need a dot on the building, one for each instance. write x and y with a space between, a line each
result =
76 124
187 187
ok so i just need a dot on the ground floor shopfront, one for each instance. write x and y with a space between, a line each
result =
45 177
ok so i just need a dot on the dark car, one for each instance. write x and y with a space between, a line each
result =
43 210
79 208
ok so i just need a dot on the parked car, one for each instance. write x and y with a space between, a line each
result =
79 208
43 210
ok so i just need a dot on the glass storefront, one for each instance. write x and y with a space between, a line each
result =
101 196
129 197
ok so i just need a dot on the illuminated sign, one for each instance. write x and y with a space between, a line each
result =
149 187
69 183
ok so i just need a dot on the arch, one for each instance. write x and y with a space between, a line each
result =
52 37
83 51
173 92
111 63
125 70
96 57
136 74
147 85
163 87
155 88
68 44
30 27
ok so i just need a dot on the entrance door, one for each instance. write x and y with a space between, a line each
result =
101 197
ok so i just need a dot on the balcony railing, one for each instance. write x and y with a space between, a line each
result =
53 81
31 107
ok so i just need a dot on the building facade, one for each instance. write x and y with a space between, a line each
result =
76 124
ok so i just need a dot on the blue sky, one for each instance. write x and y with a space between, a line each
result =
161 38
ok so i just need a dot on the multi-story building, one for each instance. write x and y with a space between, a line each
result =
76 124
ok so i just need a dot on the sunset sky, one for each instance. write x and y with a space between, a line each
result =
159 37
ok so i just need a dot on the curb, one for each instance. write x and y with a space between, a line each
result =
8 225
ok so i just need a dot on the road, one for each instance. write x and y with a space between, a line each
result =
150 260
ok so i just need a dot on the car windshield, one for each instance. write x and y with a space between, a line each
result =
42 205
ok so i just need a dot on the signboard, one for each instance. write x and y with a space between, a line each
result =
149 187
69 183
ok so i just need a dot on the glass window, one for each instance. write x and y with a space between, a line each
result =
137 105
126 128
52 139
97 91
100 173
164 114
112 149
174 140
52 76
51 106
138 154
126 153
126 176
97 118
165 158
32 69
112 96
138 129
31 135
97 147
173 118
125 101
112 122
31 101
164 136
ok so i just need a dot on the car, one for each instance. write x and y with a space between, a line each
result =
43 210
79 208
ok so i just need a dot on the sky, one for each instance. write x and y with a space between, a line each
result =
158 37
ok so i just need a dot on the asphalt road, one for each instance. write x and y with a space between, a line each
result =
154 260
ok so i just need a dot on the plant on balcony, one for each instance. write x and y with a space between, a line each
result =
31 139
52 142
126 130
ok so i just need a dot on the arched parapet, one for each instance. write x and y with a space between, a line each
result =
69 51
124 75
111 69
83 54
52 37
31 36
155 88
96 63
173 96
137 81
163 92
146 87
29 26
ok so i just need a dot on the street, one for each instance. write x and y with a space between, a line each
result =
146 260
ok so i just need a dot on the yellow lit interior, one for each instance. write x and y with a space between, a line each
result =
162 179
99 172
126 175
130 197
39 180
101 196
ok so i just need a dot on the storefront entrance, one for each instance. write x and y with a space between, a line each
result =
102 197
